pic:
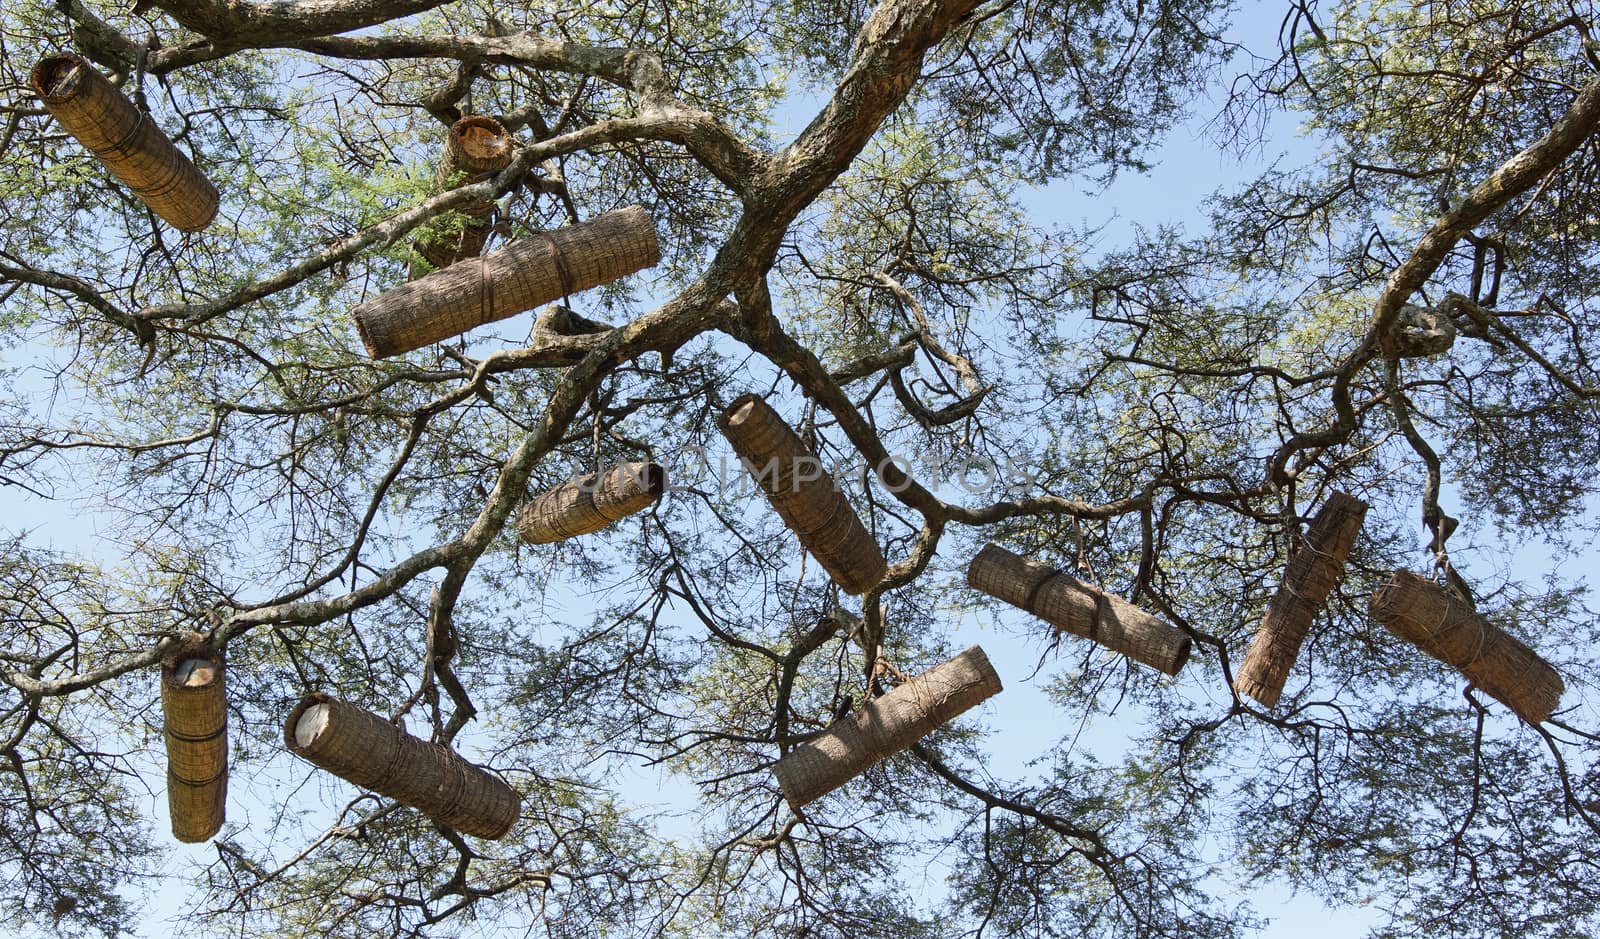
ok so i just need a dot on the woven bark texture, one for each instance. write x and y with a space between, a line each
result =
884 726
804 495
194 713
1073 606
128 142
590 502
477 147
1444 626
374 754
1310 577
518 277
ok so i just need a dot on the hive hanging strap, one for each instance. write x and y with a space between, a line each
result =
1073 606
194 712
1307 581
885 726
1444 626
125 140
374 754
559 259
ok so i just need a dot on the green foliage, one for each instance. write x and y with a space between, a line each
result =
834 186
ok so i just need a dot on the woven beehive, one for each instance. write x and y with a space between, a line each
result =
1441 624
194 714
804 495
1073 606
1310 576
375 754
127 141
503 283
477 147
590 502
884 726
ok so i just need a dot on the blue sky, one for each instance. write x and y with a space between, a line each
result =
1188 168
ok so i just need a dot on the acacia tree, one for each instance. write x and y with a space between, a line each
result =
1183 403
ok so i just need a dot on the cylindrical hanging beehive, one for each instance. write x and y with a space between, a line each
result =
1311 574
590 502
127 141
804 494
369 751
884 726
194 713
477 147
1073 606
518 277
1444 626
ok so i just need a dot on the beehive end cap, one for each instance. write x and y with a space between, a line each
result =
989 552
482 137
291 725
56 76
980 659
639 215
654 477
189 658
373 350
740 410
313 721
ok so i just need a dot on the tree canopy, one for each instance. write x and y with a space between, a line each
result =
858 212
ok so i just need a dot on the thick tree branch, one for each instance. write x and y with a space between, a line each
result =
661 115
807 371
1512 178
694 311
99 40
868 365
396 227
239 24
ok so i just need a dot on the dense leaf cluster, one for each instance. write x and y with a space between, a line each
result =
861 214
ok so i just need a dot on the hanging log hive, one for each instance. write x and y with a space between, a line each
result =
884 726
479 147
590 502
373 753
503 283
1444 626
1310 576
804 494
194 714
128 142
1073 606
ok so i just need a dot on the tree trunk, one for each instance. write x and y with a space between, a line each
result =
1073 606
590 502
375 754
804 495
478 147
127 141
884 726
1439 623
1311 574
194 713
518 277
